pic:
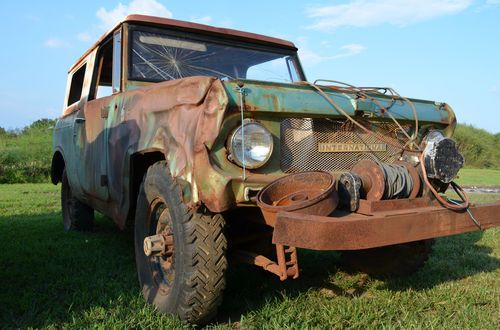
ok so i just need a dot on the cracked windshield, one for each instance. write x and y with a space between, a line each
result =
158 57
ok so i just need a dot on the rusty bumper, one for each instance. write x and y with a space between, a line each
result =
353 231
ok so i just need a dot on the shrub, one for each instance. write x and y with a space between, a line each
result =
25 155
480 148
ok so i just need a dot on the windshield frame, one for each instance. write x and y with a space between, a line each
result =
202 37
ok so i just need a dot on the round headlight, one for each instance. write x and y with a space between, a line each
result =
250 145
442 159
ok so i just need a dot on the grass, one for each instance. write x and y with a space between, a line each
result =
479 177
53 279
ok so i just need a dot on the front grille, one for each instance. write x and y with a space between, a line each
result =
301 139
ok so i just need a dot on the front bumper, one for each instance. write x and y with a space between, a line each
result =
354 231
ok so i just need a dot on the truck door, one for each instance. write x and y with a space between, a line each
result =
99 112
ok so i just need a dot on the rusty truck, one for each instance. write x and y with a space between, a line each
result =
213 145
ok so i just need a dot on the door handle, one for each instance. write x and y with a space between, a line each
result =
79 120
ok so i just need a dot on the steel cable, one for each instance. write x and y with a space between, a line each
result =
398 182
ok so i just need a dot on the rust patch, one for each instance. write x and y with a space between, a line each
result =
344 231
306 192
180 118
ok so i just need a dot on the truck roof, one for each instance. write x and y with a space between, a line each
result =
192 27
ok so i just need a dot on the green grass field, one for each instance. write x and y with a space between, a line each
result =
49 278
479 177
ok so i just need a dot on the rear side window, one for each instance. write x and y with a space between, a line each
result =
75 91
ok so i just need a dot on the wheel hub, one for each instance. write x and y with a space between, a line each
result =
159 245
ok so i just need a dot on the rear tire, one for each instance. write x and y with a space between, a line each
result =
393 260
190 282
76 215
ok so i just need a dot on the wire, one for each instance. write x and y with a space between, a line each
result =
340 110
241 90
384 110
411 140
476 222
459 190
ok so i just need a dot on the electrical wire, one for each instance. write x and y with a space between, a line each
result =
355 122
476 222
383 110
459 190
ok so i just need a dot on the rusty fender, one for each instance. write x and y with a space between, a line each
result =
356 231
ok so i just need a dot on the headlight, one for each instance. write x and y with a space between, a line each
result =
442 159
250 145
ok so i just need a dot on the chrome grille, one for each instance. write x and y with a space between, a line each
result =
300 138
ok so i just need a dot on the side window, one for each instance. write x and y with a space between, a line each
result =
103 73
106 80
75 91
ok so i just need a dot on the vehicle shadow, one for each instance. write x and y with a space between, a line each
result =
49 277
452 258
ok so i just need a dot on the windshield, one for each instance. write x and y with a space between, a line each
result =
159 56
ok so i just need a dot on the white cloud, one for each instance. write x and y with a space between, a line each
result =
308 56
84 36
55 43
201 20
108 18
363 13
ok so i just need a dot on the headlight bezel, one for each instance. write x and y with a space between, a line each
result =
441 156
235 156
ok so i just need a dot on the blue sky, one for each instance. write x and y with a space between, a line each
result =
444 50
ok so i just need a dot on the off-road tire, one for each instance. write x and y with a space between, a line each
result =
199 261
393 260
76 215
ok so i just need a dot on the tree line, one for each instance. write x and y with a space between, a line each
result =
25 154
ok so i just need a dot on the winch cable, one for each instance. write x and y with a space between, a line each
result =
341 111
398 182
459 190
384 110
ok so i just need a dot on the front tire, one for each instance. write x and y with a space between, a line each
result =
76 215
189 281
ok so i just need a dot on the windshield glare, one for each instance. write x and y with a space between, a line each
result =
158 57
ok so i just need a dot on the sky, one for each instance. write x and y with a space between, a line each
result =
443 50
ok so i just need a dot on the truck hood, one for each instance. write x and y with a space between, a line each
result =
302 101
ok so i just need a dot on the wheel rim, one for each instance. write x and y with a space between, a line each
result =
162 267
